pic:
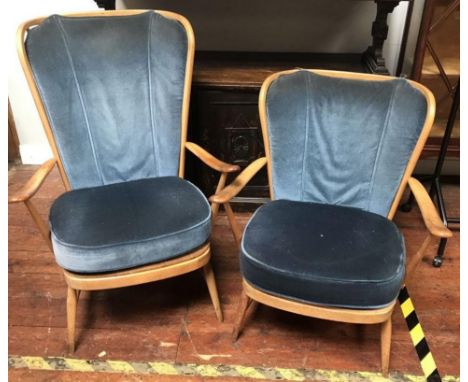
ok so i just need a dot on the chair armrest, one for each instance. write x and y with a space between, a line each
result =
227 193
210 160
28 191
428 211
33 184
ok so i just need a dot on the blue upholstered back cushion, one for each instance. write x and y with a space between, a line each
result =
113 89
340 141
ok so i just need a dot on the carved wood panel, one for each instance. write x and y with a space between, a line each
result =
226 123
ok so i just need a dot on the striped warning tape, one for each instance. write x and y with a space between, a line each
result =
417 336
166 368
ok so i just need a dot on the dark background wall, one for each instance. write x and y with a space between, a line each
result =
273 25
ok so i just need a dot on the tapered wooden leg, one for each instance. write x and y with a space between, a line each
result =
236 232
219 187
385 344
71 317
246 308
211 283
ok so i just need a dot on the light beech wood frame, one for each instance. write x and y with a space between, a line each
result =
197 259
251 296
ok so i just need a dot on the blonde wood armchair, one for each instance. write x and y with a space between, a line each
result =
330 88
127 217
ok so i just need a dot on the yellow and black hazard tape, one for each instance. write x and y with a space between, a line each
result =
417 337
189 369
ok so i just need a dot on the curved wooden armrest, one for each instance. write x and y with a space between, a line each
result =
33 184
227 193
429 212
210 160
28 191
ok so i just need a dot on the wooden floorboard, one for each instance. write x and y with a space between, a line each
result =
173 320
69 376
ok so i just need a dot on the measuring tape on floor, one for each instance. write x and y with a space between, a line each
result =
420 344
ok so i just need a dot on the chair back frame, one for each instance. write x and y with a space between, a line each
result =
20 40
430 114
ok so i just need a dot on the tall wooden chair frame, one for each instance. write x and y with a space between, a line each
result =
197 259
251 296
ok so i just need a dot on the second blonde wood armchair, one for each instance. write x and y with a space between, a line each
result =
340 149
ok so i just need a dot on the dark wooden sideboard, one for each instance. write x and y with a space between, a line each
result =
372 58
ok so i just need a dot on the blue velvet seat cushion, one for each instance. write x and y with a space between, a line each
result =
125 225
323 254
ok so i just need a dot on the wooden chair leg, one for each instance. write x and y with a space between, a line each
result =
236 231
72 300
211 283
245 309
385 344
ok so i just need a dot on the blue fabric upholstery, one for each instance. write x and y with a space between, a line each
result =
341 141
323 254
339 148
113 89
124 225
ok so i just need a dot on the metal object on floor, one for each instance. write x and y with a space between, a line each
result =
436 187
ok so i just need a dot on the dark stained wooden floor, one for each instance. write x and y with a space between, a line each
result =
173 320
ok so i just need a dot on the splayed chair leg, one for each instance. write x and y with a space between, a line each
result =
246 308
385 344
72 300
211 283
